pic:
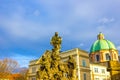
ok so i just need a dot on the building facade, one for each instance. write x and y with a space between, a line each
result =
33 68
82 63
114 69
104 53
99 72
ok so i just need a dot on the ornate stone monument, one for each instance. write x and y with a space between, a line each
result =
51 66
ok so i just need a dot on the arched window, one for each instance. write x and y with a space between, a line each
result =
107 56
97 58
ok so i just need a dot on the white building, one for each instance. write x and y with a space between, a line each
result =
99 72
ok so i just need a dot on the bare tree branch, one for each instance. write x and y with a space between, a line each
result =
7 66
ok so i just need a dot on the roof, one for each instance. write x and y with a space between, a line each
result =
101 44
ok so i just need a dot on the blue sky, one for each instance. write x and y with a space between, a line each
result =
26 26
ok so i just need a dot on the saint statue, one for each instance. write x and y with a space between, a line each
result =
71 68
56 41
51 66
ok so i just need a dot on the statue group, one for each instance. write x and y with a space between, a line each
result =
51 66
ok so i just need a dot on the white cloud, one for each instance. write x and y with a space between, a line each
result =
75 20
70 12
106 20
22 28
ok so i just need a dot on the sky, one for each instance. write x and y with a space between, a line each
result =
26 26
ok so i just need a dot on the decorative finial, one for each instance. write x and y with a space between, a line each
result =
100 36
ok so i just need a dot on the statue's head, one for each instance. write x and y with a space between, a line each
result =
56 33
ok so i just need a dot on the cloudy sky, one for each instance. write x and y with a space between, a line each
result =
26 26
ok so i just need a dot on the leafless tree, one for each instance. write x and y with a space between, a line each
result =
7 66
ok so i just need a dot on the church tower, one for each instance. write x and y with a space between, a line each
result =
103 50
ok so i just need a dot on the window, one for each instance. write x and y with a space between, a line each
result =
84 76
33 78
33 69
96 70
107 56
83 63
97 57
103 70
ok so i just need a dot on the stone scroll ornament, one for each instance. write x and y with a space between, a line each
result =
51 65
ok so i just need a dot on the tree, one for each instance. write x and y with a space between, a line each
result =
7 66
23 73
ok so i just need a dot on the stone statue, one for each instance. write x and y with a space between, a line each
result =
44 68
51 66
56 41
71 64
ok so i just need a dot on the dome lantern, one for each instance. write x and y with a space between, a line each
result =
101 44
100 36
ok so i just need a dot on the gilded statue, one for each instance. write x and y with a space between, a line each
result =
56 41
71 64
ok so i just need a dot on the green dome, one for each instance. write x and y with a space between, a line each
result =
102 44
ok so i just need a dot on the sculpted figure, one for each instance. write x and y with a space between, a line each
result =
71 62
44 67
71 68
56 41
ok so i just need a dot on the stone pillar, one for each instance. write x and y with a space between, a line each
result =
78 65
101 56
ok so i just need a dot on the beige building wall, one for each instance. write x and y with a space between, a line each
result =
33 68
99 72
82 62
